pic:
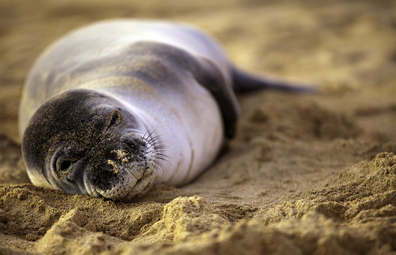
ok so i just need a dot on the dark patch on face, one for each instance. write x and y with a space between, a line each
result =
78 131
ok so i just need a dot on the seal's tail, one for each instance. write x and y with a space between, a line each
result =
244 82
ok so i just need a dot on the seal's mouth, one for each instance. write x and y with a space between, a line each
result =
129 170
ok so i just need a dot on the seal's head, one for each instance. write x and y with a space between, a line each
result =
84 141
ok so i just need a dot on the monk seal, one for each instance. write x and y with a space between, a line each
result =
116 106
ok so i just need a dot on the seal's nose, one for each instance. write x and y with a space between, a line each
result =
133 144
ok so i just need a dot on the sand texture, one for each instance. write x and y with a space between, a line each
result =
306 174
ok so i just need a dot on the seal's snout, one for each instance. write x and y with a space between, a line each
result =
127 167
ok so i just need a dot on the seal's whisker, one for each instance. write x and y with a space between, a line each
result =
153 140
163 120
154 116
161 158
161 166
151 121
165 161
165 146
162 152
148 133
158 147
162 149
162 146
163 155
167 132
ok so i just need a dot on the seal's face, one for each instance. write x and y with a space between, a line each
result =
84 142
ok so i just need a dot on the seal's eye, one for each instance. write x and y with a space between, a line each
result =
115 118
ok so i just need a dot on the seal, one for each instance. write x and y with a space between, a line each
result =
116 106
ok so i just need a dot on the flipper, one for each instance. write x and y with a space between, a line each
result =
244 82
209 76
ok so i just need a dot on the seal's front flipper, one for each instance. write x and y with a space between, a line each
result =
209 76
244 82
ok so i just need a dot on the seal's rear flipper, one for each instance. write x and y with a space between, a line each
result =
244 82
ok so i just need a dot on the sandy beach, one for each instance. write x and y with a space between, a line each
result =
305 174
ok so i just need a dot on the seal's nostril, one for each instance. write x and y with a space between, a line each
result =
106 167
65 165
114 165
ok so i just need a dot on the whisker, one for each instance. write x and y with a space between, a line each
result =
167 162
163 147
156 147
151 121
163 120
156 137
161 150
164 155
153 140
152 143
167 132
161 166
164 159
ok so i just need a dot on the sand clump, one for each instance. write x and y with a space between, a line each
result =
347 222
305 174
367 188
356 213
67 237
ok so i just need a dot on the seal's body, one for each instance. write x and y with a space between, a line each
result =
113 107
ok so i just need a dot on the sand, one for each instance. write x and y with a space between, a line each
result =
306 174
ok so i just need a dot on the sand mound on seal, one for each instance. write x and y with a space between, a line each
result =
306 174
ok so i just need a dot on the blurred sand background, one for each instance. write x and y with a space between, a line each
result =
306 174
